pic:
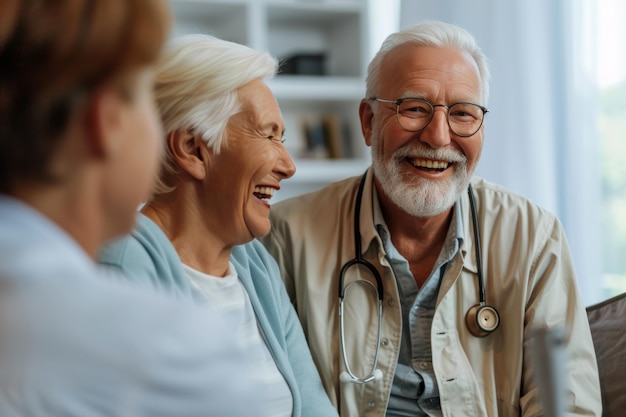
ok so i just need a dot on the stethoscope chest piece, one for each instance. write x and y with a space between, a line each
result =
481 320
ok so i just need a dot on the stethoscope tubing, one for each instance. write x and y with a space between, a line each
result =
482 296
358 260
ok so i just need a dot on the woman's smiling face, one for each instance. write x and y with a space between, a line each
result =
248 169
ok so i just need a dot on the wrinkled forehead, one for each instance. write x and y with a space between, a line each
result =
258 107
420 69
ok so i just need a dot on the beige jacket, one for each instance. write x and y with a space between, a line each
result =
529 278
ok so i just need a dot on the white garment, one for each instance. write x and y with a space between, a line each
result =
229 296
76 344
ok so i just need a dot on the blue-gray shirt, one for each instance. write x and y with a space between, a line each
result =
76 343
414 392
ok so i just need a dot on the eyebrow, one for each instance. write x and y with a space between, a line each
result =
273 127
423 96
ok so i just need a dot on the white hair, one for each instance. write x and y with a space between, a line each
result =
430 33
196 83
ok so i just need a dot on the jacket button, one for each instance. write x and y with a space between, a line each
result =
384 342
391 303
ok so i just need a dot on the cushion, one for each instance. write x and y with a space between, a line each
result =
608 329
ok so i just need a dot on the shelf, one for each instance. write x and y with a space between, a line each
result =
223 19
324 171
311 11
313 175
300 87
334 30
317 28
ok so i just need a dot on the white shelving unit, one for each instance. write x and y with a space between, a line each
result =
335 28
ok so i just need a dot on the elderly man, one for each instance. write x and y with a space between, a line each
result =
403 313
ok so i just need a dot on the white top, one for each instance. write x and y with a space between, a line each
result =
228 295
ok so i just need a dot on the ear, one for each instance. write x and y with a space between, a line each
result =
190 154
104 122
366 114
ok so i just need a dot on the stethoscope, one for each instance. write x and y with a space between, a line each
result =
481 319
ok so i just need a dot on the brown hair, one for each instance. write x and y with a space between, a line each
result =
55 52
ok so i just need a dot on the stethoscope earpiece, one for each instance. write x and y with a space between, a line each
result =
481 320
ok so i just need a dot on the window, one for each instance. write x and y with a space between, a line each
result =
611 71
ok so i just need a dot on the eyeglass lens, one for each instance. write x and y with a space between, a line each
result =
464 118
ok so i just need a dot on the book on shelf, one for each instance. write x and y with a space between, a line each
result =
332 135
324 137
315 141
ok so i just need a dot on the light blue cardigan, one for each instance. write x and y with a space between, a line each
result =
148 253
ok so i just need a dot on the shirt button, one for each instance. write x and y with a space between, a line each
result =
371 404
423 365
384 342
432 402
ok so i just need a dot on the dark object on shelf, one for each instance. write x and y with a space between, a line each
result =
304 64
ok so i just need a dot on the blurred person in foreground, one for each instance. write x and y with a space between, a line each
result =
456 324
195 239
79 148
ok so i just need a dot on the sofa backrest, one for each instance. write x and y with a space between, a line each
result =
608 329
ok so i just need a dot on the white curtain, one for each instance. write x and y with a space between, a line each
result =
540 138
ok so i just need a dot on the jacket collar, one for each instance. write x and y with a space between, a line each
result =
367 217
370 211
468 249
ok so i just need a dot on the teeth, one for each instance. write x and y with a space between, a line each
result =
265 192
429 163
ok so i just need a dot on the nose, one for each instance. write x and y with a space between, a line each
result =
437 132
285 165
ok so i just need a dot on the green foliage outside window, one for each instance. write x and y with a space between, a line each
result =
612 124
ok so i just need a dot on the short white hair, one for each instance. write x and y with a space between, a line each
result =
430 33
196 83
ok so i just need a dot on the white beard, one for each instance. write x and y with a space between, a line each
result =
415 195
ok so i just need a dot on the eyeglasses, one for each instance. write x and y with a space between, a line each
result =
415 114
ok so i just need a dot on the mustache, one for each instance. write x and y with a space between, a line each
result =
414 150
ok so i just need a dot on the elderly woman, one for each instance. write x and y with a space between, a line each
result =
224 160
